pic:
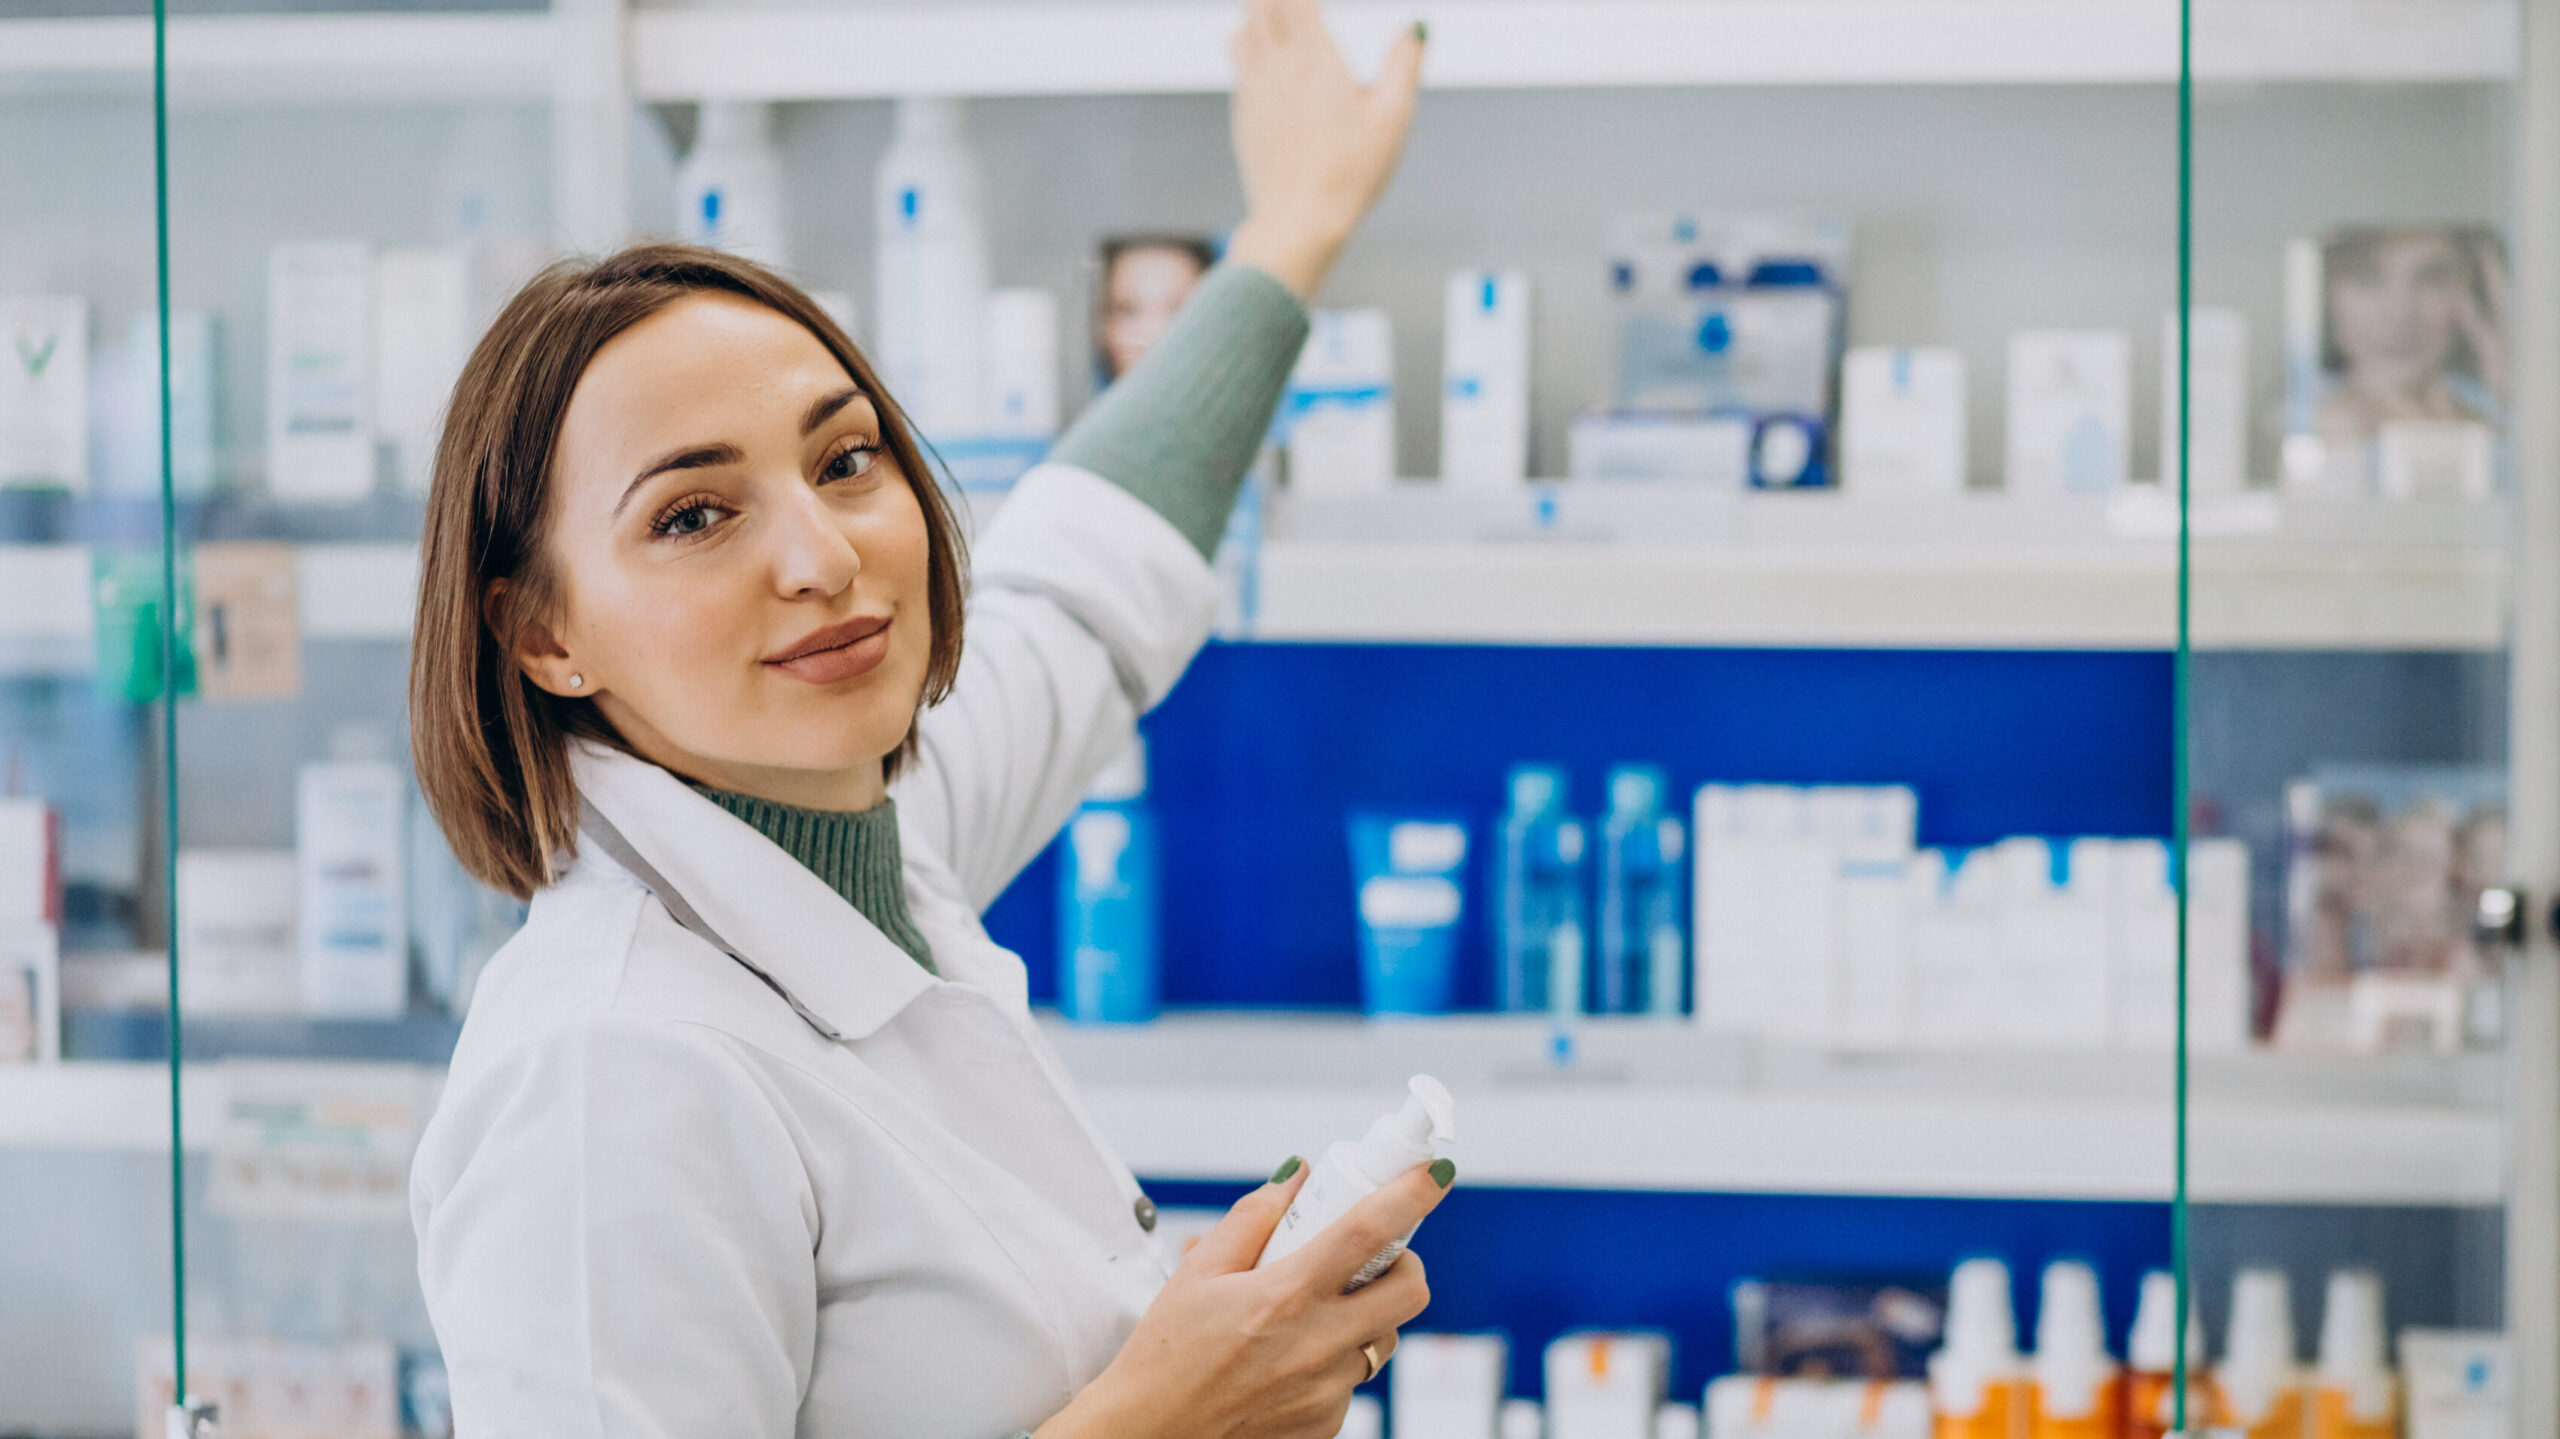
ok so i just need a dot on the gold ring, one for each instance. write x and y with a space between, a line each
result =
1370 1353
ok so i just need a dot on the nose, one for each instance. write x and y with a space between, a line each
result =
811 554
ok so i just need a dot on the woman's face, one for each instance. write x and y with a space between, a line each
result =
2395 312
1141 295
743 569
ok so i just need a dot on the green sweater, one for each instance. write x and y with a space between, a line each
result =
1180 432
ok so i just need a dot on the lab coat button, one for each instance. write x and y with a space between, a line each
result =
1146 1212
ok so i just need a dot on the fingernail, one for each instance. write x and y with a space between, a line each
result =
1421 32
1287 1167
1443 1171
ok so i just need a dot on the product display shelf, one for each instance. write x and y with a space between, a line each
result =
343 592
796 53
1651 1107
283 59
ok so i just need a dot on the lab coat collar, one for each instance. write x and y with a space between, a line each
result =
830 962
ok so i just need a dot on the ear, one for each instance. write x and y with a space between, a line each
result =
536 650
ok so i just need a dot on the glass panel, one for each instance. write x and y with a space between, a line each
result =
2351 487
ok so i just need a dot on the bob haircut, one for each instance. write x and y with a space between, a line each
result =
491 747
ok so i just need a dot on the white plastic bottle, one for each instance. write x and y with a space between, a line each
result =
2354 1395
1977 1383
2076 1380
2151 1352
932 268
1415 1134
729 191
2259 1381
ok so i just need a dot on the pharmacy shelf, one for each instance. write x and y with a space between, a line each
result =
1220 1098
344 592
1649 1106
1177 46
288 59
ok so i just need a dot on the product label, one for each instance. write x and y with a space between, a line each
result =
44 401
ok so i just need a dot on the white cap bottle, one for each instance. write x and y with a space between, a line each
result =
1522 1419
932 261
2354 1396
730 186
2152 1355
2260 1378
2075 1377
1976 1383
1417 1133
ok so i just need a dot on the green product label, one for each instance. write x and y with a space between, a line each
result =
125 589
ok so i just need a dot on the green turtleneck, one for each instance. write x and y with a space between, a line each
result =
856 854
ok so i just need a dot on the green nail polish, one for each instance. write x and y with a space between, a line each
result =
1443 1171
1287 1167
1421 31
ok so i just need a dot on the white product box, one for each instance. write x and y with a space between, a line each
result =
1874 833
1678 1421
2052 987
1724 914
30 861
1484 380
30 992
1799 928
1341 406
1713 452
236 952
44 391
1523 1419
2434 460
319 381
274 1389
2218 384
1955 942
1447 1386
2070 406
354 924
1744 1406
1022 364
132 465
1902 422
2460 1383
1365 1419
1606 1386
2143 946
421 333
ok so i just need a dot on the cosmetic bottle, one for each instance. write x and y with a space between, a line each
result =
2150 1408
2078 1391
932 268
1417 1133
1540 929
729 190
1643 863
2259 1383
2354 1394
1977 1384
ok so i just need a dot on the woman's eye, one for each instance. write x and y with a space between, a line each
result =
690 519
850 463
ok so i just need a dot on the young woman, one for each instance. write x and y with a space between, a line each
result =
750 1132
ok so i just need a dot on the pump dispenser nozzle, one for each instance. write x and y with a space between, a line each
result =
1414 1133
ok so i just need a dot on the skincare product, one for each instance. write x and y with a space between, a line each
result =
1411 875
1606 1385
1678 1421
2142 945
125 587
1447 1386
1540 925
1977 1383
236 918
2078 1391
1902 422
422 333
2259 1382
1107 900
2354 1394
2151 1385
2434 459
1872 829
1522 1419
353 918
1643 959
729 189
1750 1406
2070 398
1712 451
1417 1133
1484 380
30 861
319 381
44 392
194 347
932 249
30 991
248 630
1340 410
2051 988
1021 398
2218 384
2461 1383
1364 1419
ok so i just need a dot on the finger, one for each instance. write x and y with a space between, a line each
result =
1399 80
1391 1301
1382 1217
1238 1239
1292 19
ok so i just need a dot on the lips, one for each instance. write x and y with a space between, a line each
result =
838 652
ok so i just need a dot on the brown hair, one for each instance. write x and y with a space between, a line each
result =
491 747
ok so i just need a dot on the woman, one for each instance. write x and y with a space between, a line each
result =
750 1131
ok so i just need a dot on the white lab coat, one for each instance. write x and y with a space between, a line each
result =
658 1199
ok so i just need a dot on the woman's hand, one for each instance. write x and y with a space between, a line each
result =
1229 1351
1314 145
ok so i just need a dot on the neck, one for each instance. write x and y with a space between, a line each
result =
845 791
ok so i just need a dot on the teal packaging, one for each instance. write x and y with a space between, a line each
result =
1409 875
1643 857
1107 970
1541 926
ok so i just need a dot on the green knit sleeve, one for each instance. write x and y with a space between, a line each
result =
1180 430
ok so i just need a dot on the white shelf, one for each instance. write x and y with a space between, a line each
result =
288 59
1211 1098
1178 46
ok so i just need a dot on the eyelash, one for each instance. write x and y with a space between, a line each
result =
665 524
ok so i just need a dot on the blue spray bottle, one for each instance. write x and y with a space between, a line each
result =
1643 853
1541 927
1107 900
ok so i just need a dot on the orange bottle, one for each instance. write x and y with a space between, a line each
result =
1977 1385
2152 1355
2259 1386
2353 1394
2077 1390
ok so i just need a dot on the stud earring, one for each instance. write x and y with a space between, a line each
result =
577 682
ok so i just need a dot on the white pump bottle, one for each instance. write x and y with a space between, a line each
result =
1415 1134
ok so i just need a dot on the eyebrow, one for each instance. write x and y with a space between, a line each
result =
701 457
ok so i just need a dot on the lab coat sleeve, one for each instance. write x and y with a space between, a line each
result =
1085 607
627 1251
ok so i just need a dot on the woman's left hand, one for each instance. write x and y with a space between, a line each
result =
1315 147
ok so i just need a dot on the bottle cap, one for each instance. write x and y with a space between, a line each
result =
1981 1326
732 122
929 117
1522 1419
2259 1360
2351 1343
1535 789
1636 790
2071 1364
1676 1421
2155 1319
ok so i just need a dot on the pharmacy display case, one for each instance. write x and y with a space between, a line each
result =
2102 844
